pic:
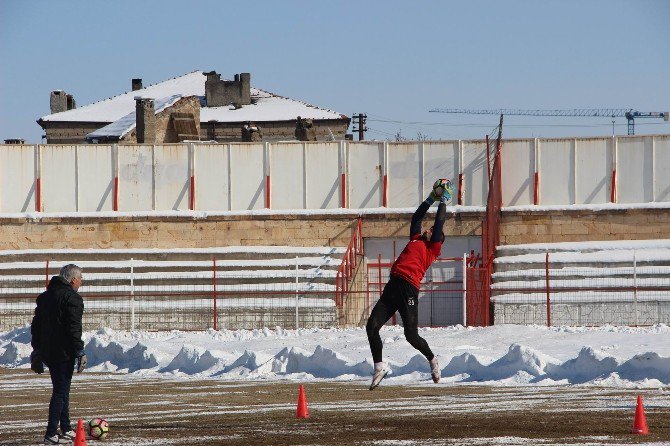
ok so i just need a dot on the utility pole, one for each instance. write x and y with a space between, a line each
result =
360 121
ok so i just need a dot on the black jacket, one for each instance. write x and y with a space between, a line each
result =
56 328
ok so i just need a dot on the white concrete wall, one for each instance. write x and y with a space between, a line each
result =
59 178
18 165
172 177
309 175
136 177
212 183
364 174
247 176
96 171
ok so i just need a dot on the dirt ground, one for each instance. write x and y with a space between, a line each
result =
147 411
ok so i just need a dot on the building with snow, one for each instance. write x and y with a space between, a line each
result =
196 106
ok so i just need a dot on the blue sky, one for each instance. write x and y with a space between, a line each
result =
393 60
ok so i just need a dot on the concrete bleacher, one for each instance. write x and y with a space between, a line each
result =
590 283
256 287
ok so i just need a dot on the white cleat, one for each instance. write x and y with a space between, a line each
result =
435 370
381 370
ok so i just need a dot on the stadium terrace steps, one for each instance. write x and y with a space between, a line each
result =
108 270
590 283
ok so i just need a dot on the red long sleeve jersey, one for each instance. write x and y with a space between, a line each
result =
415 259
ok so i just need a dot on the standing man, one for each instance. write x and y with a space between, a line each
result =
56 340
402 290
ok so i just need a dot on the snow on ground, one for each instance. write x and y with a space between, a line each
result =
501 355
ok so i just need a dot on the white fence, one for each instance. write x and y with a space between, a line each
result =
326 175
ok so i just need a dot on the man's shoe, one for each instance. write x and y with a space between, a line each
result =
435 370
381 370
68 436
54 439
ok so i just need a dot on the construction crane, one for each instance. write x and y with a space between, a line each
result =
629 114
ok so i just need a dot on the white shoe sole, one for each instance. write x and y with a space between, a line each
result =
376 381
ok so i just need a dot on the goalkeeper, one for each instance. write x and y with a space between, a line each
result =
402 290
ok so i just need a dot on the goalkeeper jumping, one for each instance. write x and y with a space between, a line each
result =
402 290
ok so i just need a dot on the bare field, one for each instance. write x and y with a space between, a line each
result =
147 411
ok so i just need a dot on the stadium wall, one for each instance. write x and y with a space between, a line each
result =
328 174
194 230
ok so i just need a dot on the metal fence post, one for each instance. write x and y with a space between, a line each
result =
465 289
214 289
546 266
635 289
132 296
296 293
46 274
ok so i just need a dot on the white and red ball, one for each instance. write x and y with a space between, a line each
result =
97 428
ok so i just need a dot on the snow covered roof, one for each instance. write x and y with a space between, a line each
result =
125 124
265 106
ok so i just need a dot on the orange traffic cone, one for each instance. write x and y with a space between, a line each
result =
303 411
640 423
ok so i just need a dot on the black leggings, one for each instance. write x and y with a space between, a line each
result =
399 295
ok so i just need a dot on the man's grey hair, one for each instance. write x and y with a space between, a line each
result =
69 272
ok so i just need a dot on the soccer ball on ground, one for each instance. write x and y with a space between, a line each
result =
443 186
98 428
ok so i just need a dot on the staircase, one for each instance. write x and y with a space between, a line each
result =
590 283
168 289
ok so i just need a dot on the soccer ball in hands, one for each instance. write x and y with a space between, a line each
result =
443 186
98 428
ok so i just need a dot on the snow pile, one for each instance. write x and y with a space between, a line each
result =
499 355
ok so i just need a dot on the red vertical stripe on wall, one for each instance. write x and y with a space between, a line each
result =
343 185
536 189
460 188
38 195
613 191
267 191
191 204
384 192
115 200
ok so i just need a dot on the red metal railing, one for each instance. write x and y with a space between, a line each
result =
349 263
479 277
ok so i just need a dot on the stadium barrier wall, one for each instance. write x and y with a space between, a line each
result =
327 175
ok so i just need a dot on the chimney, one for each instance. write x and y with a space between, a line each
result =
58 101
220 93
245 88
145 119
137 84
71 103
213 89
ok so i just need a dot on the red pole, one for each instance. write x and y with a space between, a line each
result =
192 197
536 190
546 269
115 201
46 273
613 191
488 158
214 292
267 191
343 186
384 202
460 188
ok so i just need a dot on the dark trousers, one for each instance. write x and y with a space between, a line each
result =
59 406
401 296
